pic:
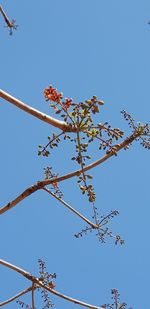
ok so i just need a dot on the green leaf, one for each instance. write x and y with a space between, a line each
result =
89 176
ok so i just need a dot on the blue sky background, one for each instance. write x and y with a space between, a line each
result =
82 48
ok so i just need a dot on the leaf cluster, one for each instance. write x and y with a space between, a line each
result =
116 301
102 230
80 117
46 277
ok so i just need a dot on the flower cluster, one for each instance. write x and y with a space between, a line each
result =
51 94
67 103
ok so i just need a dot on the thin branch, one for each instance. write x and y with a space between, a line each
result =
94 226
80 153
33 288
51 141
7 21
41 184
39 283
34 112
16 296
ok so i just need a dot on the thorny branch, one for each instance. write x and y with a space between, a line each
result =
41 184
39 283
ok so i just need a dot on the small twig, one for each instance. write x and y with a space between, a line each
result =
16 296
94 226
40 283
41 184
80 153
33 288
65 110
51 141
10 24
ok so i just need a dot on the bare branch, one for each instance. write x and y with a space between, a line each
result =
34 112
94 226
39 283
16 296
9 24
7 21
41 184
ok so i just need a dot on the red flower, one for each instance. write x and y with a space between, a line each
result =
67 103
52 94
51 285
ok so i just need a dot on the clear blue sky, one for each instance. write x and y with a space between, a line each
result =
83 48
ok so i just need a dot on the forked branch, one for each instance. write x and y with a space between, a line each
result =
94 226
41 184
39 283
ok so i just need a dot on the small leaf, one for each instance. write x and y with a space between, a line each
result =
89 176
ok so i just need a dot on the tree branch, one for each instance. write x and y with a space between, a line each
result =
94 226
34 112
33 288
39 283
16 296
41 184
7 21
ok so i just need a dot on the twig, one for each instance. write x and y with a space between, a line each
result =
34 112
10 24
41 184
80 153
33 288
94 226
16 296
39 283
51 141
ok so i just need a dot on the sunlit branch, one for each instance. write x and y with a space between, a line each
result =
39 283
41 184
16 296
94 226
34 112
7 21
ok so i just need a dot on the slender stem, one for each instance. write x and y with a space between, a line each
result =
80 153
34 112
65 110
71 208
33 288
16 296
100 139
51 141
40 283
41 184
